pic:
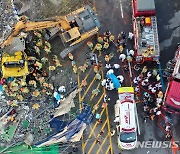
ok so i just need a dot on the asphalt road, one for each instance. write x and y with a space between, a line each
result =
116 16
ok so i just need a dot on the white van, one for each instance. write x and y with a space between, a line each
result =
125 117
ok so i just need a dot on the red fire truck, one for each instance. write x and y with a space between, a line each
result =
172 94
145 30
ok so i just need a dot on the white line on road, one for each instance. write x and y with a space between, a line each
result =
122 15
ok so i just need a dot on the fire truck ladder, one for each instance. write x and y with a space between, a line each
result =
156 40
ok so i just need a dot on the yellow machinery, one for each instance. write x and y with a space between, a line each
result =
74 27
14 65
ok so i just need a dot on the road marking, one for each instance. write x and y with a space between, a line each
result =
122 15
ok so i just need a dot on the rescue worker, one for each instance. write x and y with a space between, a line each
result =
105 39
129 59
107 58
50 86
123 35
120 78
106 98
39 43
100 40
160 94
44 60
20 98
22 82
146 95
31 58
137 89
47 50
96 69
107 33
37 34
36 93
158 102
158 78
48 44
153 90
154 72
82 68
103 82
111 38
56 61
95 92
90 45
108 66
44 74
84 83
120 49
113 132
70 56
135 81
37 50
38 65
116 66
24 90
130 36
33 82
106 45
122 57
98 76
99 48
145 82
158 86
144 70
150 87
119 39
52 68
131 53
36 106
86 65
75 68
149 74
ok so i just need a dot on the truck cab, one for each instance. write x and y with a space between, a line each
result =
172 94
145 30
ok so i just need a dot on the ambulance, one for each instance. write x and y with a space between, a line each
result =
125 118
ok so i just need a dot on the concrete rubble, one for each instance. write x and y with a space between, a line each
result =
9 17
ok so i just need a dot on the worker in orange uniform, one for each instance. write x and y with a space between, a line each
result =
90 45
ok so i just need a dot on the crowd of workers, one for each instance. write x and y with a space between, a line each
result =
147 83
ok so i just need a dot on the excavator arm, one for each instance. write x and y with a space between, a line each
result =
25 26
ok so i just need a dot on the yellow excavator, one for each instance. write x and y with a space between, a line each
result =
73 29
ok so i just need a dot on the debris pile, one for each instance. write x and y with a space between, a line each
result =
9 18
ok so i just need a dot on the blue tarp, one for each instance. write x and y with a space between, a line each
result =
114 79
73 127
57 124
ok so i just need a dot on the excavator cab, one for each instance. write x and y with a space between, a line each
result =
71 35
14 65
